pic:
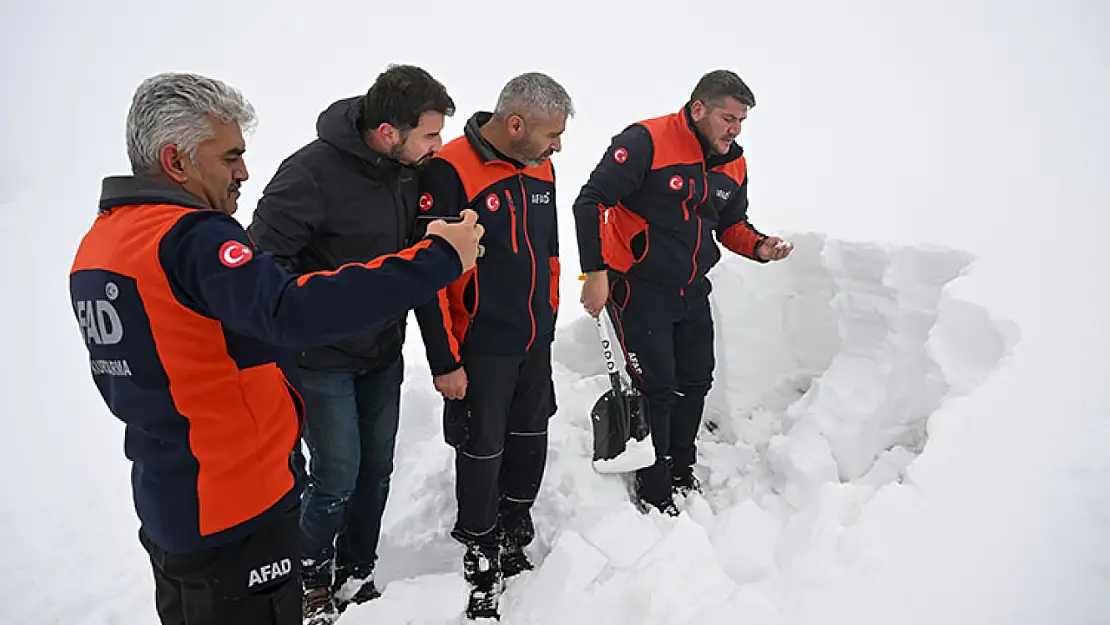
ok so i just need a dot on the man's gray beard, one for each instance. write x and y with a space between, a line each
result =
519 148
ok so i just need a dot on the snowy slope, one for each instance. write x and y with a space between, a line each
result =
910 420
830 366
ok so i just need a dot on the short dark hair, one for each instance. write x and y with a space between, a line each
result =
400 95
719 84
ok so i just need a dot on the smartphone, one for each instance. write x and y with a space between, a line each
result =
422 222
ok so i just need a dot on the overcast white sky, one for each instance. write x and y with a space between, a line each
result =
918 121
980 125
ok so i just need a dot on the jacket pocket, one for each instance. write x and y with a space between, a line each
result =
470 294
277 425
456 422
619 293
639 245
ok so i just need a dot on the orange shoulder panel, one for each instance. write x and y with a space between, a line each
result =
113 241
475 174
673 141
736 169
543 172
224 406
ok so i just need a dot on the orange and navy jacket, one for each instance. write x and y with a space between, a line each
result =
652 204
508 302
185 321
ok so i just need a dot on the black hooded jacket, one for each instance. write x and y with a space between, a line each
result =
336 201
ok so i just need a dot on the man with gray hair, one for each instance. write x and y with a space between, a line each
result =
488 337
187 326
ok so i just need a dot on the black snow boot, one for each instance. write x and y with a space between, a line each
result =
517 531
653 488
482 571
318 607
683 481
354 586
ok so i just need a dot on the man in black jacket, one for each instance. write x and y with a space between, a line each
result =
645 221
489 335
349 196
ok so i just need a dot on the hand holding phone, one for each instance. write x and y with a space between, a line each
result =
463 233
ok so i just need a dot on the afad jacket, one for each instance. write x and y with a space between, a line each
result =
508 302
654 203
188 328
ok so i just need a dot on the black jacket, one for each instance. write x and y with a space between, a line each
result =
508 302
336 201
654 201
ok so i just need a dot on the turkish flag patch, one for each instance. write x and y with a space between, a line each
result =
426 202
492 202
234 253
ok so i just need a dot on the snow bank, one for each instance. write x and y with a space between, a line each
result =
829 367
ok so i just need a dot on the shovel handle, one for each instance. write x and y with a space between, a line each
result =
608 349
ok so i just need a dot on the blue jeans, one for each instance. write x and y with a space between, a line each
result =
350 428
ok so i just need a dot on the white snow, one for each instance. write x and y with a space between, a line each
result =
909 422
637 454
797 449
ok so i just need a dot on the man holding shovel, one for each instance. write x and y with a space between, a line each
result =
644 222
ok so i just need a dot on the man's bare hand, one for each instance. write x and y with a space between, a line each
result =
773 248
595 291
463 236
451 385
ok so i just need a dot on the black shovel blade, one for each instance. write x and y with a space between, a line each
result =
616 418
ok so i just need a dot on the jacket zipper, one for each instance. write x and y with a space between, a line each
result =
532 253
697 244
512 213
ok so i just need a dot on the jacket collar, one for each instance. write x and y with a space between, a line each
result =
130 190
340 126
481 145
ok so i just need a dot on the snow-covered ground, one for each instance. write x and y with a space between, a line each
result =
831 365
911 419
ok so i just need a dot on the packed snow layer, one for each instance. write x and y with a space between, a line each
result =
829 367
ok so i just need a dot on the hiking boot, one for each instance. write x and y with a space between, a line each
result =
516 532
652 488
356 590
482 571
666 506
514 561
318 607
684 482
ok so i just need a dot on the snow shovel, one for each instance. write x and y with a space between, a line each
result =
621 430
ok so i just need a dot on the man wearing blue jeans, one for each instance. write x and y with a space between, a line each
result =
350 436
350 196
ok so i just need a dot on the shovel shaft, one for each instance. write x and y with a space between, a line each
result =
608 347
